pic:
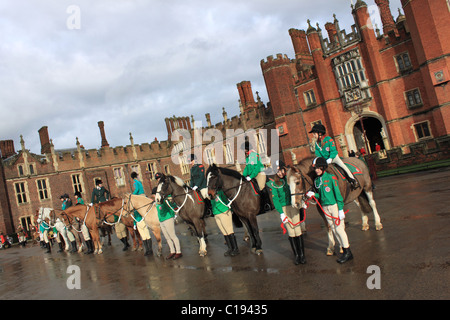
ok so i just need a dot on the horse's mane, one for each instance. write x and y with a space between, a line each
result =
177 180
230 172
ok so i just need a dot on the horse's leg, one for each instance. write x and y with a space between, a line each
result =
364 217
331 243
133 238
157 233
198 228
378 225
95 236
257 239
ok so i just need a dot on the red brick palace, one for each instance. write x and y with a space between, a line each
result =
368 86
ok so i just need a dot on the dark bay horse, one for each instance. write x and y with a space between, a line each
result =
243 199
190 206
301 180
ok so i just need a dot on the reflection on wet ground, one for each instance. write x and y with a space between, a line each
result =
411 252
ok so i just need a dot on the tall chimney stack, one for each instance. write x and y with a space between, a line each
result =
101 125
45 140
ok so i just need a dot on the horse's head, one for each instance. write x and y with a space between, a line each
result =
298 185
166 187
213 180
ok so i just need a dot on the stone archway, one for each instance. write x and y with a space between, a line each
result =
375 128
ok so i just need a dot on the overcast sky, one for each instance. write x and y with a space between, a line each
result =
132 63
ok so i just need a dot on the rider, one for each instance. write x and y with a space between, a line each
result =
332 204
281 196
223 217
254 169
326 148
139 222
166 217
198 180
99 193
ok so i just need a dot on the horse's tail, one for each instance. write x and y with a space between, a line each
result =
364 203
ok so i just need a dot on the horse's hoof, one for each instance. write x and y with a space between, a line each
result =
379 227
330 252
246 238
134 249
365 227
258 252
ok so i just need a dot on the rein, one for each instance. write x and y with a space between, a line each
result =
137 209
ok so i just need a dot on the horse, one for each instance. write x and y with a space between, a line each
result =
191 207
301 180
49 215
124 208
89 218
245 201
115 207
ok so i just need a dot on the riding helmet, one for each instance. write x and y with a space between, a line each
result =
320 162
319 128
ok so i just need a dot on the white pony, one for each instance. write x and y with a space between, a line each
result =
45 213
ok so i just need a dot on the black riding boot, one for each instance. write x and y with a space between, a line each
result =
61 248
300 249
49 247
147 247
347 255
125 243
234 246
354 183
90 247
73 244
294 249
230 248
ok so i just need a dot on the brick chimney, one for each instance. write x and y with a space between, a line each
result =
386 16
45 140
246 95
101 125
7 148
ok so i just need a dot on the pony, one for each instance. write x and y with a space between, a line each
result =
49 215
301 180
124 208
190 206
115 207
243 199
88 216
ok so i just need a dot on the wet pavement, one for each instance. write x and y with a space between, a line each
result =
408 259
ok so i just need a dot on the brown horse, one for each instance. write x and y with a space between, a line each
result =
115 207
191 208
87 216
124 209
301 180
243 199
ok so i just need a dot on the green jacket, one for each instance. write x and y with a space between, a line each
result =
328 190
138 189
100 195
198 176
281 194
217 206
326 148
164 211
253 165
